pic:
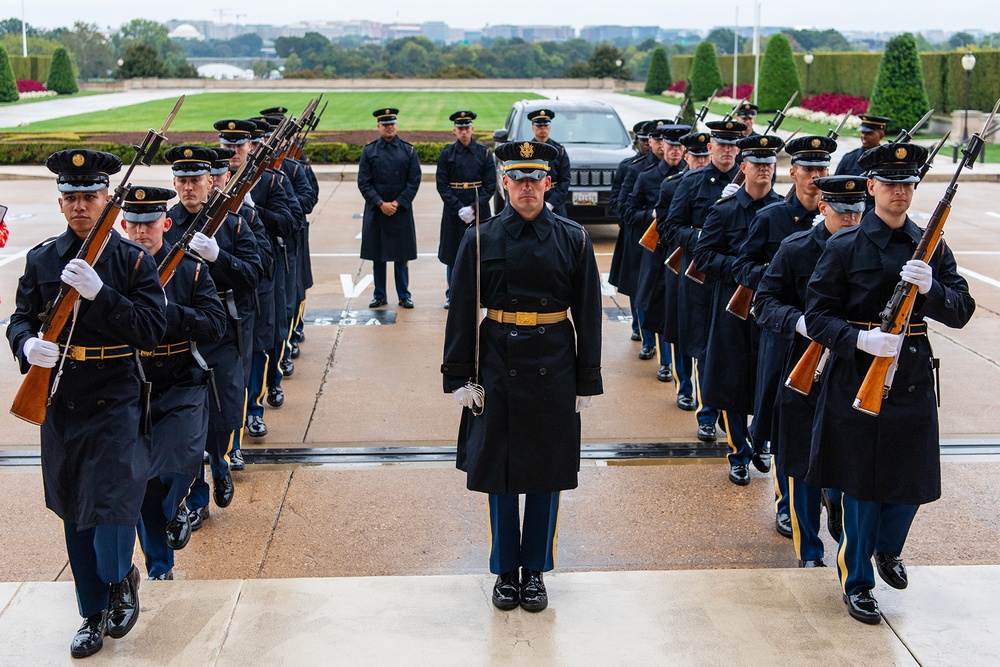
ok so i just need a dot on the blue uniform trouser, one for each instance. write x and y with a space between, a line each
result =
781 502
706 415
663 353
448 268
869 526
164 494
635 316
217 445
531 545
400 273
256 390
805 502
648 337
682 367
737 437
99 556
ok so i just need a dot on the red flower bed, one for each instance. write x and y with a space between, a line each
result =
835 104
27 86
744 91
677 86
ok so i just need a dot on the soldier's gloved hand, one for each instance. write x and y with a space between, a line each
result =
800 326
582 402
549 206
40 352
878 343
82 277
248 200
205 246
467 397
918 273
730 189
467 214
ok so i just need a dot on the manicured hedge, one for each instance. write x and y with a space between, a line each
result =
35 68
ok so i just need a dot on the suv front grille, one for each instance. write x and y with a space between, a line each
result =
591 177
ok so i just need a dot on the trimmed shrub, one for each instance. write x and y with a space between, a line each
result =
8 84
32 68
658 77
62 79
899 91
706 77
779 78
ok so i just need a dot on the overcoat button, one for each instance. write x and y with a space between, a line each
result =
544 302
71 405
513 372
541 330
159 364
100 365
513 302
911 389
101 403
513 333
542 371
913 349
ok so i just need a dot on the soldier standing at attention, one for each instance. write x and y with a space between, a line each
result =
520 430
555 196
885 465
872 132
95 460
388 177
466 181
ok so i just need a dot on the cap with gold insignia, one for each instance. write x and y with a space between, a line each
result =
220 164
639 130
747 110
386 116
894 163
82 170
873 123
671 134
462 118
190 160
144 203
761 149
726 131
541 116
844 194
234 132
696 143
274 111
811 151
526 159
262 129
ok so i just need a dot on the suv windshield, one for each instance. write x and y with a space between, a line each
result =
582 127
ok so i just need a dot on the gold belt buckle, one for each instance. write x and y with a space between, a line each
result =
465 186
525 319
147 353
77 353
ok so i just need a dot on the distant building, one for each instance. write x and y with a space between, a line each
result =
436 31
530 33
185 31
614 33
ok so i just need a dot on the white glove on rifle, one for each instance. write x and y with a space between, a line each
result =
248 200
467 214
467 397
800 326
40 352
205 246
582 402
918 273
730 189
82 277
878 343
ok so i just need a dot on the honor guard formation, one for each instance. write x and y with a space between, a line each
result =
152 352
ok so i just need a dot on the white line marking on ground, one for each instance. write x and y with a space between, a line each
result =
14 257
979 276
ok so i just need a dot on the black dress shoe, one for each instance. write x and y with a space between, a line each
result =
286 367
686 402
706 432
834 515
179 529
222 490
197 516
506 591
166 576
275 397
739 474
783 524
636 335
406 303
665 374
376 303
256 428
892 570
89 638
863 607
812 563
647 353
294 350
447 304
123 604
761 457
236 460
533 595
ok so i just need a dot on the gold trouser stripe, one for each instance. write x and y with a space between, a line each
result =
796 533
555 535
777 487
729 437
842 552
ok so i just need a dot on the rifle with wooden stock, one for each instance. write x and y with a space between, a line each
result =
33 396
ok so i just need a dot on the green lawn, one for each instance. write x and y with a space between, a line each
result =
346 111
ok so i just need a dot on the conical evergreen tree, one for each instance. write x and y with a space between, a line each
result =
779 77
899 91
62 79
658 77
705 77
8 84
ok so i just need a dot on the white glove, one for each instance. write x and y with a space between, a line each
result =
918 273
248 200
467 397
800 326
549 206
582 402
467 214
82 277
40 352
205 246
878 343
730 189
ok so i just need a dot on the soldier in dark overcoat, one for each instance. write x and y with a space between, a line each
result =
872 132
559 167
886 465
95 460
466 182
388 177
520 429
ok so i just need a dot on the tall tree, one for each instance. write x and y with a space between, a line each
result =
608 61
779 76
899 91
8 85
62 79
90 49
141 61
658 77
705 76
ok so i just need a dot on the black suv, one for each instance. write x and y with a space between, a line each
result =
595 140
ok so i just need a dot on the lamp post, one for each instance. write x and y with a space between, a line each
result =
968 62
809 61
618 69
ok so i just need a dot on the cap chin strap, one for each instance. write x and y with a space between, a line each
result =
473 384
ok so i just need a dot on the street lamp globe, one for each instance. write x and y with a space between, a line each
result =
968 61
809 58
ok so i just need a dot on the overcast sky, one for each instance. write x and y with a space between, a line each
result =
842 14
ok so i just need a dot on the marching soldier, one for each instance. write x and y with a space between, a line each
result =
95 460
641 141
388 177
855 452
872 132
520 430
779 305
177 372
747 113
731 362
466 182
235 266
559 167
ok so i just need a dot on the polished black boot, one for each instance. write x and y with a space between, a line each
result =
123 604
533 595
179 529
783 524
863 607
834 516
506 592
223 490
89 638
892 570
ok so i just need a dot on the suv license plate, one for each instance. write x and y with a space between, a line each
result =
584 198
